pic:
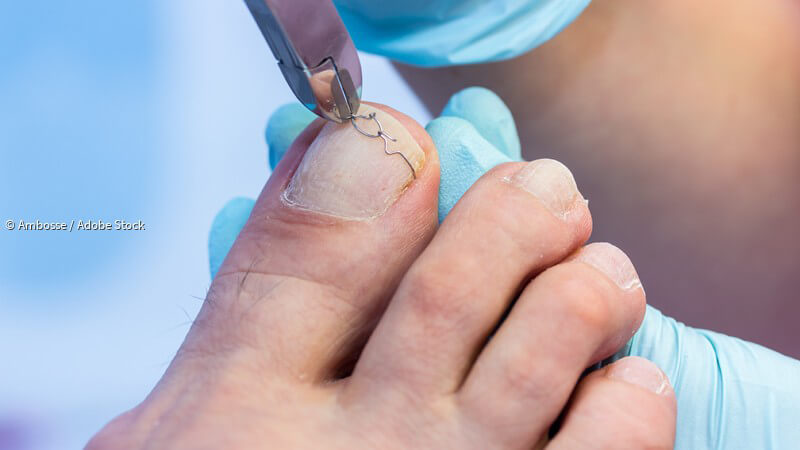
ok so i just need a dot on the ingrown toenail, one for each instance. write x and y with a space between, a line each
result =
347 174
552 183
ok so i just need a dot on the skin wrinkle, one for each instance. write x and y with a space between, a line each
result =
231 339
353 306
282 278
276 234
263 295
352 334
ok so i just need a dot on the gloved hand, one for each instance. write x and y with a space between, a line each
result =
731 394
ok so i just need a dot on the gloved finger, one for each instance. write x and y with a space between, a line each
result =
731 393
225 228
489 115
283 127
628 404
464 155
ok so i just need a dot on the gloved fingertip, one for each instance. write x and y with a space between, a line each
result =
226 226
657 339
283 127
464 156
487 112
731 393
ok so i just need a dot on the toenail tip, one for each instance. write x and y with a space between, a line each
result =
640 372
552 183
347 174
613 262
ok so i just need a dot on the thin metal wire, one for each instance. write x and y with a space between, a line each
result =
383 135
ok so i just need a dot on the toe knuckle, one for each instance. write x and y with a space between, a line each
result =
519 378
584 303
432 298
591 311
535 379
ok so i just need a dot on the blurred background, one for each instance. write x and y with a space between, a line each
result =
146 110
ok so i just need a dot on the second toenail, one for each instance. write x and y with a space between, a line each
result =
552 183
347 174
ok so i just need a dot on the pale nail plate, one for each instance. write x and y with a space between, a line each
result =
347 174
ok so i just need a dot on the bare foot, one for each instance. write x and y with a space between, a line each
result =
343 319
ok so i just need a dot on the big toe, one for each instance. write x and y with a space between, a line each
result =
340 220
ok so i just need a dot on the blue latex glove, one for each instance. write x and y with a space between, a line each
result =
447 32
731 394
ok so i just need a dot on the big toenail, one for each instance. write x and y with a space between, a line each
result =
552 183
347 174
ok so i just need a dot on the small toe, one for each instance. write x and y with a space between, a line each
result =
627 405
511 225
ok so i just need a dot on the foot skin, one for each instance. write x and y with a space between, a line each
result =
342 318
